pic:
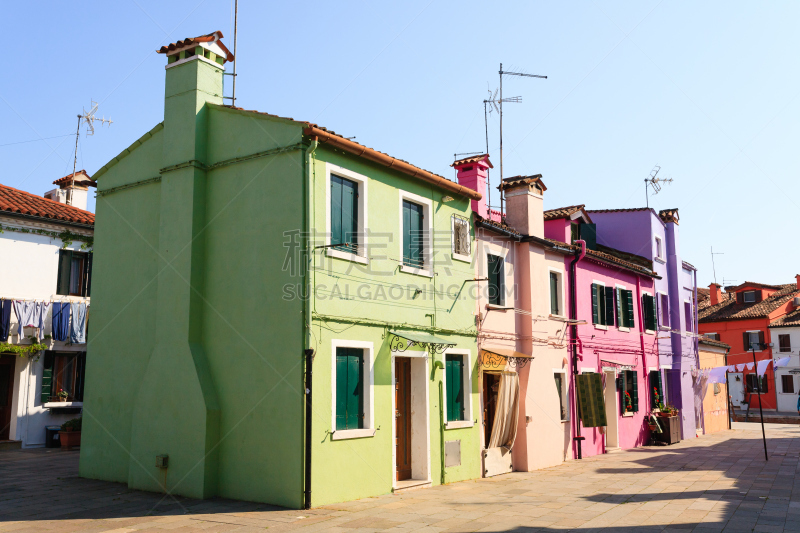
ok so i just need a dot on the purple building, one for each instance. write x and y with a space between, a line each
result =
655 236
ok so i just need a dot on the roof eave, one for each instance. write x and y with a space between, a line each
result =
48 220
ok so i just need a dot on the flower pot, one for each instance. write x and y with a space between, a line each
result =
69 439
652 427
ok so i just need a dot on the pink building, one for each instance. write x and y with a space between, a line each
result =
612 335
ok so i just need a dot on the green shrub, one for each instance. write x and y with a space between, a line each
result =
74 424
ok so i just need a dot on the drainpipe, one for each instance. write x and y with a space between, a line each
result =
308 351
641 327
573 315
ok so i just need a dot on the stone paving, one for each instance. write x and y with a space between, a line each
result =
714 483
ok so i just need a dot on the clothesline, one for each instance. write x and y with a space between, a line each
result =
68 319
719 374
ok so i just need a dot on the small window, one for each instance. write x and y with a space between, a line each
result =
663 305
496 275
749 297
787 384
753 339
649 309
555 293
63 371
349 388
413 245
454 378
753 382
688 316
561 390
630 392
74 273
784 343
461 239
656 389
659 248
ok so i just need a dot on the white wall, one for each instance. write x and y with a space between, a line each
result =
29 271
787 401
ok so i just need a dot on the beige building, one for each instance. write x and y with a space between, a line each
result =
715 404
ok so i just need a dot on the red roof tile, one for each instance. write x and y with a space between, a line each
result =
16 202
208 38
730 309
473 159
565 212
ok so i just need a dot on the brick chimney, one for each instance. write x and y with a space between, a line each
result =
524 209
473 172
715 293
797 280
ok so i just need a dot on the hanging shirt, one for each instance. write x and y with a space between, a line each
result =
762 366
31 314
5 320
77 332
61 320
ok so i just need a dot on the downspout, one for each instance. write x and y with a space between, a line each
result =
573 315
641 326
308 351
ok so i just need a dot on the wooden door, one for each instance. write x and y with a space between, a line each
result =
6 392
402 416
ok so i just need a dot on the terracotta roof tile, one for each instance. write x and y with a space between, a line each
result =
788 320
712 342
207 38
16 202
612 256
628 210
734 288
562 212
513 181
730 309
473 159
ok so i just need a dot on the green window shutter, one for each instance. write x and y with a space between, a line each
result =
609 318
496 270
595 305
589 234
455 387
47 376
620 315
341 388
653 313
350 214
629 304
554 293
354 391
80 376
635 391
412 235
645 313
64 265
336 210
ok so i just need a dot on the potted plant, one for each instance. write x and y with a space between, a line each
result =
70 434
62 395
653 424
628 402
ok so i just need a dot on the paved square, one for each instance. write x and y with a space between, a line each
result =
715 483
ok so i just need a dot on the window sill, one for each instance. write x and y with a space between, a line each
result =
660 260
565 421
663 328
626 330
57 405
600 326
498 307
343 434
627 415
416 271
459 424
560 318
347 256
464 258
649 332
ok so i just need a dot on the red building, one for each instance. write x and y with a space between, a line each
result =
741 316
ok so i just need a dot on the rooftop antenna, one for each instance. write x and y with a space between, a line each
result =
714 269
513 99
655 182
88 118
235 50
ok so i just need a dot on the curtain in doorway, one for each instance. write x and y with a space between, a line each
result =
700 389
504 431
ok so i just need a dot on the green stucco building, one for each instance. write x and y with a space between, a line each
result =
239 254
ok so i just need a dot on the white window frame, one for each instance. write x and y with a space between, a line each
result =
659 312
369 390
468 422
744 297
751 340
602 284
427 237
361 180
564 391
560 289
499 251
617 288
659 251
459 257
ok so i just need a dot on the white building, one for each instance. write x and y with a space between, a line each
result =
785 335
45 247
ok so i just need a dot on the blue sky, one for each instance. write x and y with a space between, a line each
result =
708 92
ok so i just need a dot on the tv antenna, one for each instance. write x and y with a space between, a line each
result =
88 118
514 99
713 268
655 182
493 104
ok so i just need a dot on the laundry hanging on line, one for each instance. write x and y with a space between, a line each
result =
61 314
77 332
5 319
31 313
